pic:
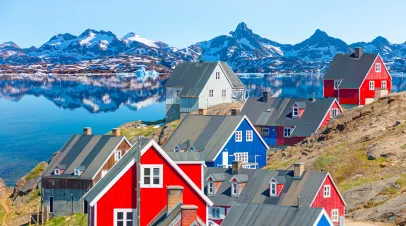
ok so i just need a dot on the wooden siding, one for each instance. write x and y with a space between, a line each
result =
189 104
328 118
286 141
190 170
349 96
330 203
66 183
328 89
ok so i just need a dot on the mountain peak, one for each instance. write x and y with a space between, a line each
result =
319 34
8 44
242 26
380 40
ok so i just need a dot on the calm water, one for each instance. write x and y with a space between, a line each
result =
38 114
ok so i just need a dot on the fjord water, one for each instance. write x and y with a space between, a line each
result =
38 114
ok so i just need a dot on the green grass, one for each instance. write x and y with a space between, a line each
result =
33 195
281 164
347 185
2 213
323 162
76 220
132 133
36 172
403 146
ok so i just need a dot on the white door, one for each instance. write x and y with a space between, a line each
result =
225 159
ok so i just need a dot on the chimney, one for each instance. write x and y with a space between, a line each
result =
87 131
313 96
299 201
298 169
266 95
202 111
234 111
115 132
175 196
235 167
188 214
358 52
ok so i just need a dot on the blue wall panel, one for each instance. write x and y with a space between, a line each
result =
323 221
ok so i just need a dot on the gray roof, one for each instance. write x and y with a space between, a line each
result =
256 190
186 156
271 215
207 133
132 154
193 76
278 112
217 176
349 69
86 151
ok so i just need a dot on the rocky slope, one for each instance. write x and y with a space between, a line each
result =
364 149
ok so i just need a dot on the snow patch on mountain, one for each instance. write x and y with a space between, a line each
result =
130 37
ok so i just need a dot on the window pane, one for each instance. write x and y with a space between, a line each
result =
156 171
129 222
147 171
147 180
120 216
120 223
156 180
129 215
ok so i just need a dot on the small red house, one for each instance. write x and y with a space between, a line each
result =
357 79
171 192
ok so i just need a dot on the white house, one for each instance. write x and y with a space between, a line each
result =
198 85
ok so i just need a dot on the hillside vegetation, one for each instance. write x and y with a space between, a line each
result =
364 149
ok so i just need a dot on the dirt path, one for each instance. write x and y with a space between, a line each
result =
5 206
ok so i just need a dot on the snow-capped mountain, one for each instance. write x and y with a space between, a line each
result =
243 49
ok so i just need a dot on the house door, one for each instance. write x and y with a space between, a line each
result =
225 159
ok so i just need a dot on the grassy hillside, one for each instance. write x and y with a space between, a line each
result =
76 220
362 146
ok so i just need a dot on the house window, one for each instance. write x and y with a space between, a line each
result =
265 131
377 67
371 85
103 173
77 172
51 204
234 189
224 93
211 93
57 172
176 149
326 191
210 188
117 155
238 136
217 75
241 156
215 213
124 217
383 85
287 131
336 84
272 191
192 149
177 92
151 176
295 112
248 135
334 215
334 112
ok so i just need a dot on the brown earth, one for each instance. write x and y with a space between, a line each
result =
364 149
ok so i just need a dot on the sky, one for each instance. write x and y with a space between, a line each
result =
181 23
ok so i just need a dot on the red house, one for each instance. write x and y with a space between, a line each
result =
357 78
293 188
170 189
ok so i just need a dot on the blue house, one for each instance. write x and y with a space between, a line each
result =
221 139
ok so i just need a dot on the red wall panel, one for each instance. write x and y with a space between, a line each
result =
329 90
192 170
327 119
286 141
348 96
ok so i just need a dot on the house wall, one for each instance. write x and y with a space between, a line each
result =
254 147
189 104
193 171
172 112
171 94
286 141
63 204
323 221
333 202
217 85
327 119
224 209
349 96
270 139
328 89
378 77
122 195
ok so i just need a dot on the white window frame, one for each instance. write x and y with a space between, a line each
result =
336 84
383 86
334 113
217 213
210 188
241 156
211 93
378 67
327 191
371 85
285 131
76 172
249 135
217 75
335 215
262 131
57 172
176 149
224 93
125 211
238 136
234 190
271 193
151 176
295 112
104 172
117 155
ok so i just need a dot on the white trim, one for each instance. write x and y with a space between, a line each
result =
293 111
380 67
323 213
236 189
117 155
202 170
329 191
212 188
151 175
338 215
252 126
107 159
57 170
366 75
190 162
335 186
129 210
328 111
240 137
386 84
290 131
213 93
270 188
371 82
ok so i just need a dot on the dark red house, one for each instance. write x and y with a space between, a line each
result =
171 189
357 78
